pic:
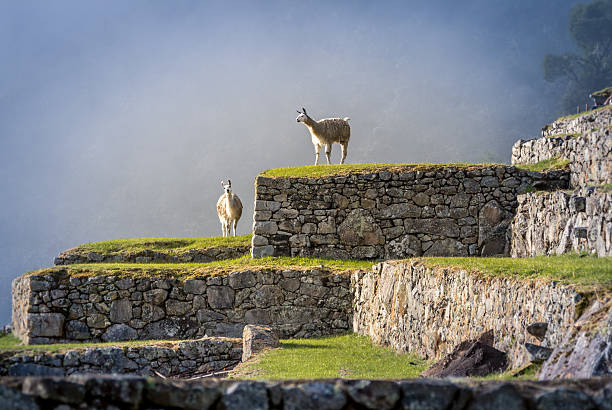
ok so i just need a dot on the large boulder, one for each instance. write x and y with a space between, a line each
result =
257 338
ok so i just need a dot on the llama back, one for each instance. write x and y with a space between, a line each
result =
338 128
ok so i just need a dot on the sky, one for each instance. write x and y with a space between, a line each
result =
119 119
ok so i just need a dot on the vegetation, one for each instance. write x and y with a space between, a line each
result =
590 27
187 270
349 356
10 343
554 163
580 114
567 134
163 244
316 171
572 268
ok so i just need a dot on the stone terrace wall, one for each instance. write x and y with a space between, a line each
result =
99 392
446 211
183 358
77 255
561 222
430 311
56 308
582 124
590 155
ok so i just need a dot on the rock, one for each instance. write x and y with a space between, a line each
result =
169 394
220 297
262 251
469 358
427 394
313 396
359 228
373 394
124 390
32 369
195 286
155 296
564 398
75 329
256 339
177 308
59 390
120 311
45 324
538 329
245 395
119 332
14 399
538 354
268 295
504 396
241 280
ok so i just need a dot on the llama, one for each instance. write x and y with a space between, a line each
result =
229 209
326 132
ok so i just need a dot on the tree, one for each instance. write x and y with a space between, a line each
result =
590 27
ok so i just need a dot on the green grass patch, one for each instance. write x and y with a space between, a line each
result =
606 91
554 163
580 114
576 269
317 171
163 244
349 356
567 134
187 270
605 188
10 343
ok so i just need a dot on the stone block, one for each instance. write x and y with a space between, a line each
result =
45 324
256 339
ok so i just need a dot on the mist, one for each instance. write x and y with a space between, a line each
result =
119 119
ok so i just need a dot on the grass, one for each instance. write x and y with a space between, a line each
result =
349 356
569 269
580 114
163 244
605 188
567 134
11 344
554 163
187 270
317 171
606 91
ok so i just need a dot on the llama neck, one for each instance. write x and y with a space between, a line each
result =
311 124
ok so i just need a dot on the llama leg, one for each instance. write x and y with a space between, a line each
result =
328 153
235 223
317 152
344 151
222 229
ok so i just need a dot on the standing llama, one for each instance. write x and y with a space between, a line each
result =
326 132
229 209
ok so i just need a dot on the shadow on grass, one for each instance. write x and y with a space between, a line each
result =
290 345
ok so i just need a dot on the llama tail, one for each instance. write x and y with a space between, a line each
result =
346 118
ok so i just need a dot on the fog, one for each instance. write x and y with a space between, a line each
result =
119 119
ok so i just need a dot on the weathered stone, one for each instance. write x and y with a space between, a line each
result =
183 396
176 308
124 390
538 329
313 396
256 339
564 398
504 396
121 311
32 369
220 297
401 210
75 329
268 295
51 389
539 354
359 228
245 395
46 324
14 399
469 358
119 332
195 286
427 394
373 394
155 296
241 280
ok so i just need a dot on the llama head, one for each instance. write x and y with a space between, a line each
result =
227 187
302 117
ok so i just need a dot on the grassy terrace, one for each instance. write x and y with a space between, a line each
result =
554 163
11 344
348 356
580 114
187 270
569 269
163 244
316 171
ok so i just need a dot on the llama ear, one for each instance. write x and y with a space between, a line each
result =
304 111
229 182
221 182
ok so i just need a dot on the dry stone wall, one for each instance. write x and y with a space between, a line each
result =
445 211
590 153
100 392
548 223
77 255
56 307
184 358
429 311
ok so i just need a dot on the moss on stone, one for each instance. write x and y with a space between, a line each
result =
318 171
554 163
